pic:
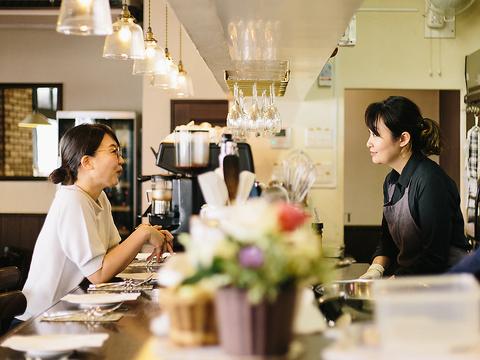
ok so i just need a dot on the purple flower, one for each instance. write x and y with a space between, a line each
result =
250 257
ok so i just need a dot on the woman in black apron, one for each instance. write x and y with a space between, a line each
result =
422 225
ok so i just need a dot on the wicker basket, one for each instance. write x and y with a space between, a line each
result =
192 317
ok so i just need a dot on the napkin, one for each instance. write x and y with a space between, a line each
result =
82 317
99 298
54 342
308 318
137 276
143 256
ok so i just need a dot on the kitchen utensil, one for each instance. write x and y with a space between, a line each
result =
345 296
299 174
245 184
231 173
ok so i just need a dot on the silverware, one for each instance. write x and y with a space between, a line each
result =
91 313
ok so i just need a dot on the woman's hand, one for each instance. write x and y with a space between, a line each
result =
162 240
375 271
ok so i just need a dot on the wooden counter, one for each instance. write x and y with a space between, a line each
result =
130 337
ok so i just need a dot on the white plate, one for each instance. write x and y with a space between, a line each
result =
38 354
53 345
91 300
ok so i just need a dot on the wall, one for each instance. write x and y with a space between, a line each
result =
89 83
156 102
391 52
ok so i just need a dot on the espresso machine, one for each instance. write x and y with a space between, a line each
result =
175 198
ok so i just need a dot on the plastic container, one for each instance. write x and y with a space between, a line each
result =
430 314
191 148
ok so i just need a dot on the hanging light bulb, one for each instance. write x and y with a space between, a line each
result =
182 84
126 41
166 70
84 17
154 54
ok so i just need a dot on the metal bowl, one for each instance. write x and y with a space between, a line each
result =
346 296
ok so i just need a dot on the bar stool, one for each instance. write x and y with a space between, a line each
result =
12 301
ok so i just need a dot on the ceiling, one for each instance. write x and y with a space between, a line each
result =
308 31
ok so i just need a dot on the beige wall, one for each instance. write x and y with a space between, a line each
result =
392 53
89 83
363 179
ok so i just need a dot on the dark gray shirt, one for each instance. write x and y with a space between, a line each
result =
434 204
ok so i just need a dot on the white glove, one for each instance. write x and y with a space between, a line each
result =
375 271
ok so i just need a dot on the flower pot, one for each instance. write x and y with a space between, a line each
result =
254 329
192 317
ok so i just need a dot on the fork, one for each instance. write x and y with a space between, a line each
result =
93 312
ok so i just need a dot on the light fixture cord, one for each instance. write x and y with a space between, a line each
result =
180 42
166 25
149 12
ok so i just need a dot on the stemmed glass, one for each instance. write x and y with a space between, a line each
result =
255 114
273 123
262 117
236 115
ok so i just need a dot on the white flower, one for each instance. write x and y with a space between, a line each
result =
204 242
249 221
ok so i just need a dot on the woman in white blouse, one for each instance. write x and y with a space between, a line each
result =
79 238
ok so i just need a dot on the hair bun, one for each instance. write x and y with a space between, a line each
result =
59 175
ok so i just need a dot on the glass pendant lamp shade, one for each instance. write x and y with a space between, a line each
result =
165 72
153 57
184 86
85 17
153 60
126 41
33 120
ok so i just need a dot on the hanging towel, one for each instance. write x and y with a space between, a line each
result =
472 169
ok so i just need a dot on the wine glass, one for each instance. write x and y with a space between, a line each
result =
236 116
273 123
255 115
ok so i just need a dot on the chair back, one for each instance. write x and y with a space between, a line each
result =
9 278
12 303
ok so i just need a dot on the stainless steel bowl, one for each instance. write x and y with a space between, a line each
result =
346 296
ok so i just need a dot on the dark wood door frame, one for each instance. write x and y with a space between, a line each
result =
212 111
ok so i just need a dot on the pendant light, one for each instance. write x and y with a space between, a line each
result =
33 120
126 41
154 54
166 68
183 82
85 17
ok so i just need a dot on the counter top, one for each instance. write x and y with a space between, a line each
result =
131 338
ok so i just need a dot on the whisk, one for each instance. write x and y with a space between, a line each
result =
299 174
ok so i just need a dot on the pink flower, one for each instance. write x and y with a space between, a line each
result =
251 257
290 217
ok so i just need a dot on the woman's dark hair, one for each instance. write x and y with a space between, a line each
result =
75 143
402 115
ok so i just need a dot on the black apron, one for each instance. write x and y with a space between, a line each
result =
406 235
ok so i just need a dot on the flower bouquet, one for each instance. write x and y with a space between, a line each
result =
257 254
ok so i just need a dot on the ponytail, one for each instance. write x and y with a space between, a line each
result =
430 136
61 175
